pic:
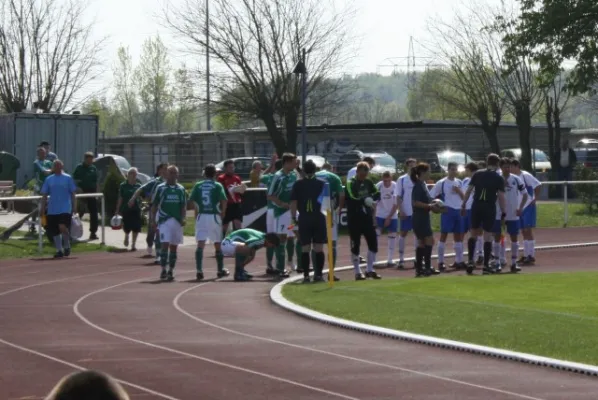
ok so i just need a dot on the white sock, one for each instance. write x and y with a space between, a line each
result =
371 261
401 248
496 248
514 251
392 240
440 252
526 246
532 248
503 250
458 252
479 246
356 267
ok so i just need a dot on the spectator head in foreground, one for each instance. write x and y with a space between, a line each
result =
309 168
88 385
492 161
371 162
229 167
327 167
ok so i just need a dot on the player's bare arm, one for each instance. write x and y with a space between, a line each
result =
522 204
466 197
294 210
73 202
502 202
119 202
223 204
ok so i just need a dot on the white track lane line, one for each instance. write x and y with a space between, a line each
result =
176 304
190 355
69 364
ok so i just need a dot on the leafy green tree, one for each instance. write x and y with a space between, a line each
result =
225 120
108 120
552 31
125 95
153 83
183 116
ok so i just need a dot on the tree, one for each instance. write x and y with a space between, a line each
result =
467 82
125 95
556 99
153 76
225 120
47 54
108 120
184 107
552 31
255 45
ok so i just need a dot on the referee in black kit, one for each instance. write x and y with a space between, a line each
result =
488 186
312 223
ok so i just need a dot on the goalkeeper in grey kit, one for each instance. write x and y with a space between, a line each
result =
360 197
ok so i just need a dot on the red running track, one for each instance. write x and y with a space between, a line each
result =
222 340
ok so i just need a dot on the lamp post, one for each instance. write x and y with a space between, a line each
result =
300 69
208 119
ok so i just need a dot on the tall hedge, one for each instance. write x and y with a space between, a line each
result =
110 190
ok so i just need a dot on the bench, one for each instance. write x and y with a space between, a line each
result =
7 189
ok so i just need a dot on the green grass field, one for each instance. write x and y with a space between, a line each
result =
553 315
21 246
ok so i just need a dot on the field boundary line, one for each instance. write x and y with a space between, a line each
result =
277 298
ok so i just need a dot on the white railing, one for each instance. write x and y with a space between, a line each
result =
565 197
40 237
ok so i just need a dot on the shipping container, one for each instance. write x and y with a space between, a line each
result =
69 135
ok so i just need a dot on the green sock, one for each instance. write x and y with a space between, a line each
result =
269 255
199 259
298 250
172 259
239 263
280 257
290 248
157 243
163 257
334 252
220 261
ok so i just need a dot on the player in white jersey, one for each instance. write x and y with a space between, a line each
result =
403 196
528 218
515 199
387 218
450 191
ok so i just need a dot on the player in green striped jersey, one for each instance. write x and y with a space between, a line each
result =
265 180
169 210
243 244
209 201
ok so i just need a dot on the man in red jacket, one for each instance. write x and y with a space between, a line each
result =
233 186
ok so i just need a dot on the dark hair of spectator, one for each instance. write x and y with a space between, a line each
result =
452 164
278 165
209 171
363 166
418 170
88 385
515 163
492 160
227 163
288 157
504 161
472 167
369 160
159 168
309 167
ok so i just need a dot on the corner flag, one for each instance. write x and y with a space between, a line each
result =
326 209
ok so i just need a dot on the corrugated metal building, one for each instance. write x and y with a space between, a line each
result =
69 136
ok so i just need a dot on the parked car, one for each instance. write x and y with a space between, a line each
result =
124 165
384 162
318 160
447 156
243 165
586 151
540 161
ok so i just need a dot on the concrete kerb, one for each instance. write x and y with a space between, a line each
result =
277 298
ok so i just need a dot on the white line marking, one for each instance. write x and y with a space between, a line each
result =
176 304
190 355
77 367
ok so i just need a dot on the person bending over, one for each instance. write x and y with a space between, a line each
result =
243 245
360 195
88 385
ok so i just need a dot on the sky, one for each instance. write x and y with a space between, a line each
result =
384 28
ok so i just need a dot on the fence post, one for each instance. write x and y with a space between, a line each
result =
103 221
40 236
566 205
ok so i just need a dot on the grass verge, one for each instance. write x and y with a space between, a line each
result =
552 315
22 246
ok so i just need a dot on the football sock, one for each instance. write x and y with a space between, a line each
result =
319 263
441 252
487 253
459 252
334 252
290 246
392 240
58 242
220 261
172 259
532 248
402 248
471 248
419 257
240 263
269 255
428 256
496 249
305 263
298 249
371 260
163 258
355 259
198 259
280 257
503 250
480 246
66 240
514 251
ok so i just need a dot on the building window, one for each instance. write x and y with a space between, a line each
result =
160 154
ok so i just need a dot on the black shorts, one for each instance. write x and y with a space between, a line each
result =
58 219
362 226
483 216
312 229
233 212
422 226
132 221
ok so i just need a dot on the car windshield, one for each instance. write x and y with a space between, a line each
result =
459 158
540 156
385 161
122 162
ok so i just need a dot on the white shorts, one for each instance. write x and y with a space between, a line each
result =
208 227
282 223
228 248
270 221
171 232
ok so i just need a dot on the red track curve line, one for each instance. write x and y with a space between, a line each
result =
69 364
190 355
176 305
